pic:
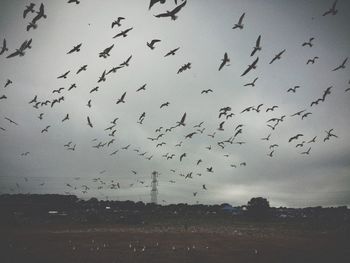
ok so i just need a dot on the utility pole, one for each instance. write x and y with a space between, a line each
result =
154 189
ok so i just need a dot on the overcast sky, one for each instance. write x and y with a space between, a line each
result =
203 31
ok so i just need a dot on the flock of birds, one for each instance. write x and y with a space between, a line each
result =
225 113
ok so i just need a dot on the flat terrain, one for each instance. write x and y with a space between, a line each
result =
239 242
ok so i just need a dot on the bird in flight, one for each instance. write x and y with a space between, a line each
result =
11 121
239 24
341 66
278 56
272 108
72 86
3 97
29 8
251 83
75 49
305 115
121 99
102 77
46 129
89 121
172 13
182 121
82 68
117 22
312 61
32 25
332 10
126 62
143 87
8 82
152 2
308 43
152 43
293 89
295 137
172 52
58 90
307 152
40 14
189 136
166 104
221 126
297 113
73 1
66 118
182 156
123 33
64 76
257 46
250 67
4 47
20 52
105 52
224 61
206 91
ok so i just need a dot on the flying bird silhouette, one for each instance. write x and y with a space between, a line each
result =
20 51
40 13
89 121
295 137
308 43
152 2
272 108
105 52
73 1
332 10
251 83
239 24
121 99
293 89
46 129
152 43
126 62
182 156
11 121
117 22
29 8
75 49
66 118
82 68
224 61
341 66
64 76
102 77
257 46
182 121
172 13
172 52
250 67
307 152
4 47
123 33
8 82
278 56
166 104
143 87
312 61
206 91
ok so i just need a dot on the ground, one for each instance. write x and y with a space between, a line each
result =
239 242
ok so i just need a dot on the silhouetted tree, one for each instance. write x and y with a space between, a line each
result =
258 208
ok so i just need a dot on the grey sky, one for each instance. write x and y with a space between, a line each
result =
203 31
